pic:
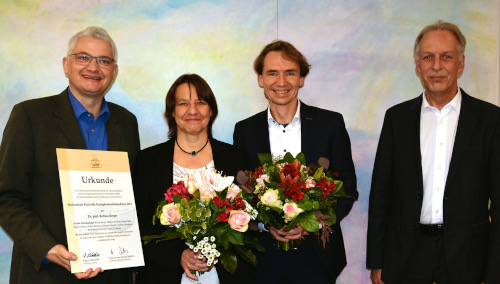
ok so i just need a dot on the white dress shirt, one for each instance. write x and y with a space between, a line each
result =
437 136
282 138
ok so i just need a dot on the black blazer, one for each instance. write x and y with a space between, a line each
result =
30 194
152 176
471 243
323 134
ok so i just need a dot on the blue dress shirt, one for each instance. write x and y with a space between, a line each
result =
93 131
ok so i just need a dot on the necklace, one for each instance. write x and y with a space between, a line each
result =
194 152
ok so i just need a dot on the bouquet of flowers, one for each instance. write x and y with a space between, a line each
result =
208 211
286 191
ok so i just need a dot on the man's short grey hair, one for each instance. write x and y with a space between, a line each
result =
442 26
93 32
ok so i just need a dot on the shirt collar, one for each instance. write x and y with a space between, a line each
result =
296 117
455 103
79 109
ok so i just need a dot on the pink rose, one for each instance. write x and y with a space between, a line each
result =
260 180
170 214
291 211
233 191
206 193
238 220
310 183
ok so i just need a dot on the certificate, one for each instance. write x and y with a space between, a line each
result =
99 209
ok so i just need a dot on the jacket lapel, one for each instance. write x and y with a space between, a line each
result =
113 131
262 133
414 142
165 167
307 129
67 122
465 132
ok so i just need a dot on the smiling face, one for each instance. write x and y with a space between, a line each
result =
91 81
439 64
191 114
280 80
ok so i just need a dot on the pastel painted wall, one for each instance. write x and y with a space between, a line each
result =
360 51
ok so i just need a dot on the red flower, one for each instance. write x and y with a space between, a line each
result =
177 189
222 217
290 173
220 202
239 204
228 209
294 191
326 186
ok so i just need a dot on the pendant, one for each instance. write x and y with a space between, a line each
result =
193 153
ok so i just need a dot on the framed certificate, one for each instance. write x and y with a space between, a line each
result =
99 209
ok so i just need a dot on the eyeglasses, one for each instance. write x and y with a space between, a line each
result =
85 59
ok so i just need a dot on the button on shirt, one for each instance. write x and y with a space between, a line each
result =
282 138
437 136
93 131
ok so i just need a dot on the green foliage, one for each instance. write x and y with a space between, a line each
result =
302 158
228 260
235 237
272 217
308 204
291 224
332 220
224 241
318 173
308 221
246 254
253 243
288 158
265 158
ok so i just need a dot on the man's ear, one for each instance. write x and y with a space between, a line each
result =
65 66
260 80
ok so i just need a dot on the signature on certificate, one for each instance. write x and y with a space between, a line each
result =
121 251
90 254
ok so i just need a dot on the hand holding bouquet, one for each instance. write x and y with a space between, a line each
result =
289 192
207 211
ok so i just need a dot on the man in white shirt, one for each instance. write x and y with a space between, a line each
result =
289 125
435 171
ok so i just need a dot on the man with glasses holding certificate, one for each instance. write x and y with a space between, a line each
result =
31 210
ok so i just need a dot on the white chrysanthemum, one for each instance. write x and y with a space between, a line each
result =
212 238
214 245
205 239
191 246
200 256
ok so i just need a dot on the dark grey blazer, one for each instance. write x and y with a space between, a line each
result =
471 243
153 175
323 134
31 210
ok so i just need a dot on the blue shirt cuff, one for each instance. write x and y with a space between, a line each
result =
45 260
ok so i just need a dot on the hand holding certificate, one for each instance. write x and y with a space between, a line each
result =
99 209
